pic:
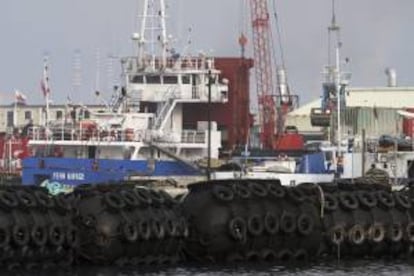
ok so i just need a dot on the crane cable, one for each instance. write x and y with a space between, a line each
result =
279 36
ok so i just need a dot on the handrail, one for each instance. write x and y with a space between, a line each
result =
115 135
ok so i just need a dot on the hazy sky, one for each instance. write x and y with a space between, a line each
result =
375 34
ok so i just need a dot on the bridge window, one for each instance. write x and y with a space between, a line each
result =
170 80
155 79
27 115
59 114
10 118
136 79
185 79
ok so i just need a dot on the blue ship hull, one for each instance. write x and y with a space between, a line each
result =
74 171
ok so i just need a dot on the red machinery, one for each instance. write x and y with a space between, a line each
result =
273 106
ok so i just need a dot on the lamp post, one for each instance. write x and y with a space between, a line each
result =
209 126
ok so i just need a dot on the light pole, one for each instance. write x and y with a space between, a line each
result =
209 126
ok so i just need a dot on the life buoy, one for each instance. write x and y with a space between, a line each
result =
237 229
38 235
305 224
130 232
376 233
271 224
356 235
255 225
287 222
223 193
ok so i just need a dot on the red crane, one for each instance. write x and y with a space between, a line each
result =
273 106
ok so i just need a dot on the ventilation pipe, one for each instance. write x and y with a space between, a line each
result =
391 77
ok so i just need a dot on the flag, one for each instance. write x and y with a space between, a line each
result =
20 98
44 83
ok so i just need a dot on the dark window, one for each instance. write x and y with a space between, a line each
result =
185 79
10 118
59 114
28 115
153 79
87 114
137 79
170 80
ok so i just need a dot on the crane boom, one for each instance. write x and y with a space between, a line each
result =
263 70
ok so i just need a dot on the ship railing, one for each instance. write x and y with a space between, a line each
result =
194 137
179 62
114 134
86 134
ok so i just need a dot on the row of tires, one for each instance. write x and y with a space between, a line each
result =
125 224
255 219
365 221
216 221
261 219
35 228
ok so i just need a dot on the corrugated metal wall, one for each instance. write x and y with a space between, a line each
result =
375 121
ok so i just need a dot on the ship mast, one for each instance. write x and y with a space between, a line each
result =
153 23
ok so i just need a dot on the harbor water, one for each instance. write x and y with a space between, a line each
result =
337 268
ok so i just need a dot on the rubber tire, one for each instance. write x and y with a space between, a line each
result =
223 193
287 223
237 229
271 224
305 224
255 225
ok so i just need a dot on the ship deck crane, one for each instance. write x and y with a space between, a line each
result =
274 98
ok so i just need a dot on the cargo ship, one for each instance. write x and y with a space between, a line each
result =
142 131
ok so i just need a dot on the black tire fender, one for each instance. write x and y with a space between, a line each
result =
20 235
237 229
114 201
223 193
129 232
287 222
271 223
305 224
356 235
376 233
348 200
38 235
255 225
367 199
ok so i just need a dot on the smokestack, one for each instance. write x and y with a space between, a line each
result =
391 77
